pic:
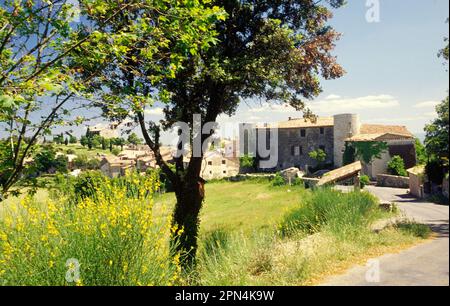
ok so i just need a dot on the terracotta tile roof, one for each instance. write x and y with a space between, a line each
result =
379 137
303 123
384 129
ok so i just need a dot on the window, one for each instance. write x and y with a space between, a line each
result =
301 150
322 131
210 163
302 133
224 162
322 148
224 171
296 150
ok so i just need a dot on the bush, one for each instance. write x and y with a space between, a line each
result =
364 180
417 230
326 209
278 180
397 166
113 240
115 151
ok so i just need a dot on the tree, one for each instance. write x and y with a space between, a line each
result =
396 166
58 139
437 133
273 50
66 141
73 139
134 139
37 77
84 141
421 153
367 151
120 142
318 155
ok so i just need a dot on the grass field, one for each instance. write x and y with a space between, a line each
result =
80 150
246 206
242 240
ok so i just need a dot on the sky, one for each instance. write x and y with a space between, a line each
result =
393 73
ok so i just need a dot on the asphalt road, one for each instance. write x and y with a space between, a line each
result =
423 265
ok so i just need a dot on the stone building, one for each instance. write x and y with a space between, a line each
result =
216 165
293 140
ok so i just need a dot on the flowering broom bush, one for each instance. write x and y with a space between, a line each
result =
107 239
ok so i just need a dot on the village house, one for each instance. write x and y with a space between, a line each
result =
105 131
216 165
115 167
297 137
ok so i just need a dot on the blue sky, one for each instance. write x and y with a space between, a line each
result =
393 73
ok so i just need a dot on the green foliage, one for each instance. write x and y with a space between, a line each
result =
367 151
73 139
116 151
278 180
114 239
396 166
349 154
248 162
318 155
46 160
437 133
326 209
435 171
421 153
83 162
418 230
364 180
134 139
37 78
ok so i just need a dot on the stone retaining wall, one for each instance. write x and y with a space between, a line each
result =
385 180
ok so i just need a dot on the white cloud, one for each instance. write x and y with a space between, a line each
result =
335 104
427 104
157 111
278 108
332 97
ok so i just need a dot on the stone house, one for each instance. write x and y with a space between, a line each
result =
216 165
115 167
297 137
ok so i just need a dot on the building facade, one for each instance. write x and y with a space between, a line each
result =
296 138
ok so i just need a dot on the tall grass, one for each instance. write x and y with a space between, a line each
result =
323 235
330 210
109 239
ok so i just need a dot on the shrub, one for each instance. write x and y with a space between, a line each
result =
397 166
415 229
112 240
364 180
70 151
115 151
278 180
326 209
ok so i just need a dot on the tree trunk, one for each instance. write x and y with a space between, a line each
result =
190 198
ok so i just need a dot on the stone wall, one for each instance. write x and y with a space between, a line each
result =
294 149
385 180
445 187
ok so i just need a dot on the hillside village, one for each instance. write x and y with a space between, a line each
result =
224 143
297 138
